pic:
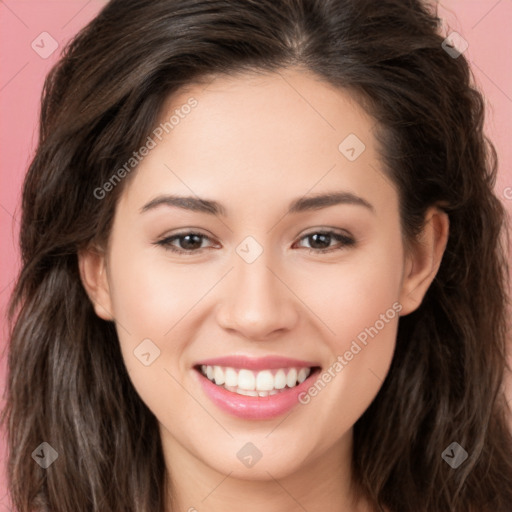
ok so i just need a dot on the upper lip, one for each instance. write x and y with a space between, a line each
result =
257 363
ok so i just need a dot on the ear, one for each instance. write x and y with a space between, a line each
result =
93 273
423 258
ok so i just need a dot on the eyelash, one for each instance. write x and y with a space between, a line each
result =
346 241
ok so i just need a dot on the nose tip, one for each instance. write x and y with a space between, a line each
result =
255 302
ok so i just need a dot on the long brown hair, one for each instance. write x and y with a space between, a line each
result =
67 383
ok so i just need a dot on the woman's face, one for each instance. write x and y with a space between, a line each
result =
251 279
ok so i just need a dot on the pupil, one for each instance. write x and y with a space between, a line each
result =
326 239
191 245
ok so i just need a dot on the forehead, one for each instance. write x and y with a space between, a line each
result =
257 136
292 104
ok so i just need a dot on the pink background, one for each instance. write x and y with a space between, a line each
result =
485 24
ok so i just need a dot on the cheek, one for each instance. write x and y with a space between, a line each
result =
150 295
352 294
360 305
148 303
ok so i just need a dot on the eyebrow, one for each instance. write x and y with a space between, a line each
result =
302 204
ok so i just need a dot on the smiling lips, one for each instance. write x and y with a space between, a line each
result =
255 388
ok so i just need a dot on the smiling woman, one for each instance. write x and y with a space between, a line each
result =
297 297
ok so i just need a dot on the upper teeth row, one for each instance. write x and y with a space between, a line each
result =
256 381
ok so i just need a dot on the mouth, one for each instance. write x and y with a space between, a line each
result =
255 389
262 383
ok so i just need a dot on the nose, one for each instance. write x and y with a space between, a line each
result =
257 300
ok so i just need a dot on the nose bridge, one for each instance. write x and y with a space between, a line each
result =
257 302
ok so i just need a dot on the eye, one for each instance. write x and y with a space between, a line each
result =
190 242
320 241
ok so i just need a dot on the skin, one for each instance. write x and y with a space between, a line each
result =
254 143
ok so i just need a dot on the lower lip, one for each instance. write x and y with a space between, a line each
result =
255 407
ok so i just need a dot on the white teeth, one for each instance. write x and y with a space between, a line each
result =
218 375
231 377
280 379
246 380
291 378
302 375
250 393
264 381
247 392
249 383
